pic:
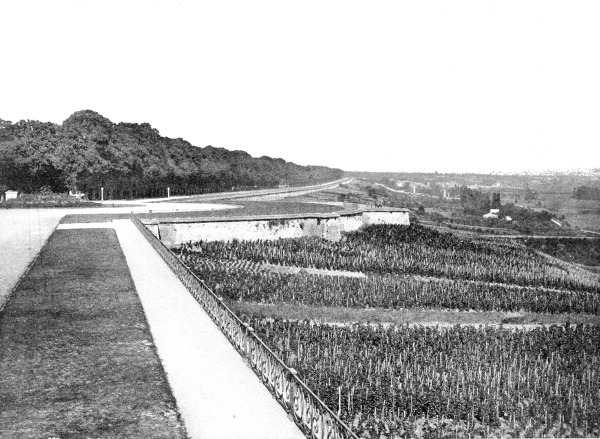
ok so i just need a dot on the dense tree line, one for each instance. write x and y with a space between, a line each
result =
476 202
131 160
586 193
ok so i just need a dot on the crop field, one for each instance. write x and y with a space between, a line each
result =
248 281
452 382
410 250
414 381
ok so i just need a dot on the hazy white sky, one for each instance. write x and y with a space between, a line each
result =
361 85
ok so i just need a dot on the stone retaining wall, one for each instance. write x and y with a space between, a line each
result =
328 226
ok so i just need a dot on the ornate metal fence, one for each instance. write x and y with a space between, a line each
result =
313 417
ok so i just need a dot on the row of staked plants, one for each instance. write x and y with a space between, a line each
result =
414 381
243 280
454 382
417 250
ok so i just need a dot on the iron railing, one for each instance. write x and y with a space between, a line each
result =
314 418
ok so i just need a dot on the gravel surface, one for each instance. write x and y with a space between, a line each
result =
217 394
23 232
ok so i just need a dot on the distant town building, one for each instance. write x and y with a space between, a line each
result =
508 218
492 214
450 184
11 195
77 194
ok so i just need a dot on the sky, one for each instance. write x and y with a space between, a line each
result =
446 86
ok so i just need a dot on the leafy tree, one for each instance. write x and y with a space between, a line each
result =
496 204
88 151
474 201
586 193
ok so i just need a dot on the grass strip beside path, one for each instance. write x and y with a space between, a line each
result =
77 359
244 209
413 316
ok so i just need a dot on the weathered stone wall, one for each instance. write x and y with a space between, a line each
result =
385 218
329 227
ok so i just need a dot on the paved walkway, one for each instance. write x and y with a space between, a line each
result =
217 394
23 232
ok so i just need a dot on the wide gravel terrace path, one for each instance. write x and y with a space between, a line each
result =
217 394
23 232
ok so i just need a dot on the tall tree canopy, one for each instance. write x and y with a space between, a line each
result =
587 193
131 160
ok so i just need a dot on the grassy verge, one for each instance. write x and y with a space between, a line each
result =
76 354
248 208
93 218
46 201
268 208
331 314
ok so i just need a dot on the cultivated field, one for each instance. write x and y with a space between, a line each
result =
449 382
400 379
